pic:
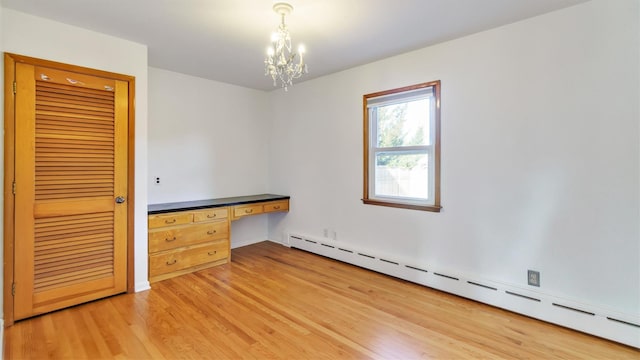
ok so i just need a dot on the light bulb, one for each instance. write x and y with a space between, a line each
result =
270 51
274 37
301 49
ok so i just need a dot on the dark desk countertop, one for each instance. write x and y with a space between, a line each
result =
212 203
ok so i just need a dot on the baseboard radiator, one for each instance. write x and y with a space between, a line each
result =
622 328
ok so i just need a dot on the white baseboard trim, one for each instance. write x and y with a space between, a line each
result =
588 318
283 243
142 286
245 242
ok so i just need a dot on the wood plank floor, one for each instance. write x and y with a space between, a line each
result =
272 302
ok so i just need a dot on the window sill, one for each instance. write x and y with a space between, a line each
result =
430 208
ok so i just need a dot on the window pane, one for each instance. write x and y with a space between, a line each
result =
403 124
403 175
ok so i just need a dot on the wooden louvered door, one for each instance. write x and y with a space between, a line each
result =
71 187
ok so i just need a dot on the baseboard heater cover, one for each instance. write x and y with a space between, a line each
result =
586 318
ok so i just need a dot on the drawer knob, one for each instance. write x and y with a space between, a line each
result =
211 232
169 240
277 207
211 216
172 262
170 221
248 211
212 252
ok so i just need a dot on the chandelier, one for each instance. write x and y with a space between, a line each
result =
280 62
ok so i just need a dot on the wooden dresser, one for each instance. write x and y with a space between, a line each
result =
189 236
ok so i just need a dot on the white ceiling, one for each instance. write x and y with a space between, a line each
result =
226 40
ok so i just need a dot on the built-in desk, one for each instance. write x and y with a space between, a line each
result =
193 235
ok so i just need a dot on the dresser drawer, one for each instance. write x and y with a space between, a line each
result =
170 219
276 206
185 235
246 210
189 257
210 214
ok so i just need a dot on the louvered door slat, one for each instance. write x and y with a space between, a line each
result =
74 104
80 118
73 256
50 131
51 88
53 126
88 193
67 180
67 236
71 253
59 151
66 100
73 278
44 103
74 144
83 115
61 267
75 252
75 218
67 229
79 240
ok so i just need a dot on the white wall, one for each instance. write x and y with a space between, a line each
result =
540 156
41 38
208 140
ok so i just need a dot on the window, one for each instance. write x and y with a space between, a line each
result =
402 147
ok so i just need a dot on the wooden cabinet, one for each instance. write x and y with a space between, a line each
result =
239 211
186 241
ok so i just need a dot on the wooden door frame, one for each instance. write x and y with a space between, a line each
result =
9 169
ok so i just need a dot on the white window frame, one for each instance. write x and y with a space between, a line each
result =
429 90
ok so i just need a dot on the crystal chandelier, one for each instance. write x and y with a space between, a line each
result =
280 61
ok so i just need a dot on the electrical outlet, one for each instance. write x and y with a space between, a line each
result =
157 181
325 232
334 235
533 278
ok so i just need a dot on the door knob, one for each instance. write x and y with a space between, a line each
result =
119 200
